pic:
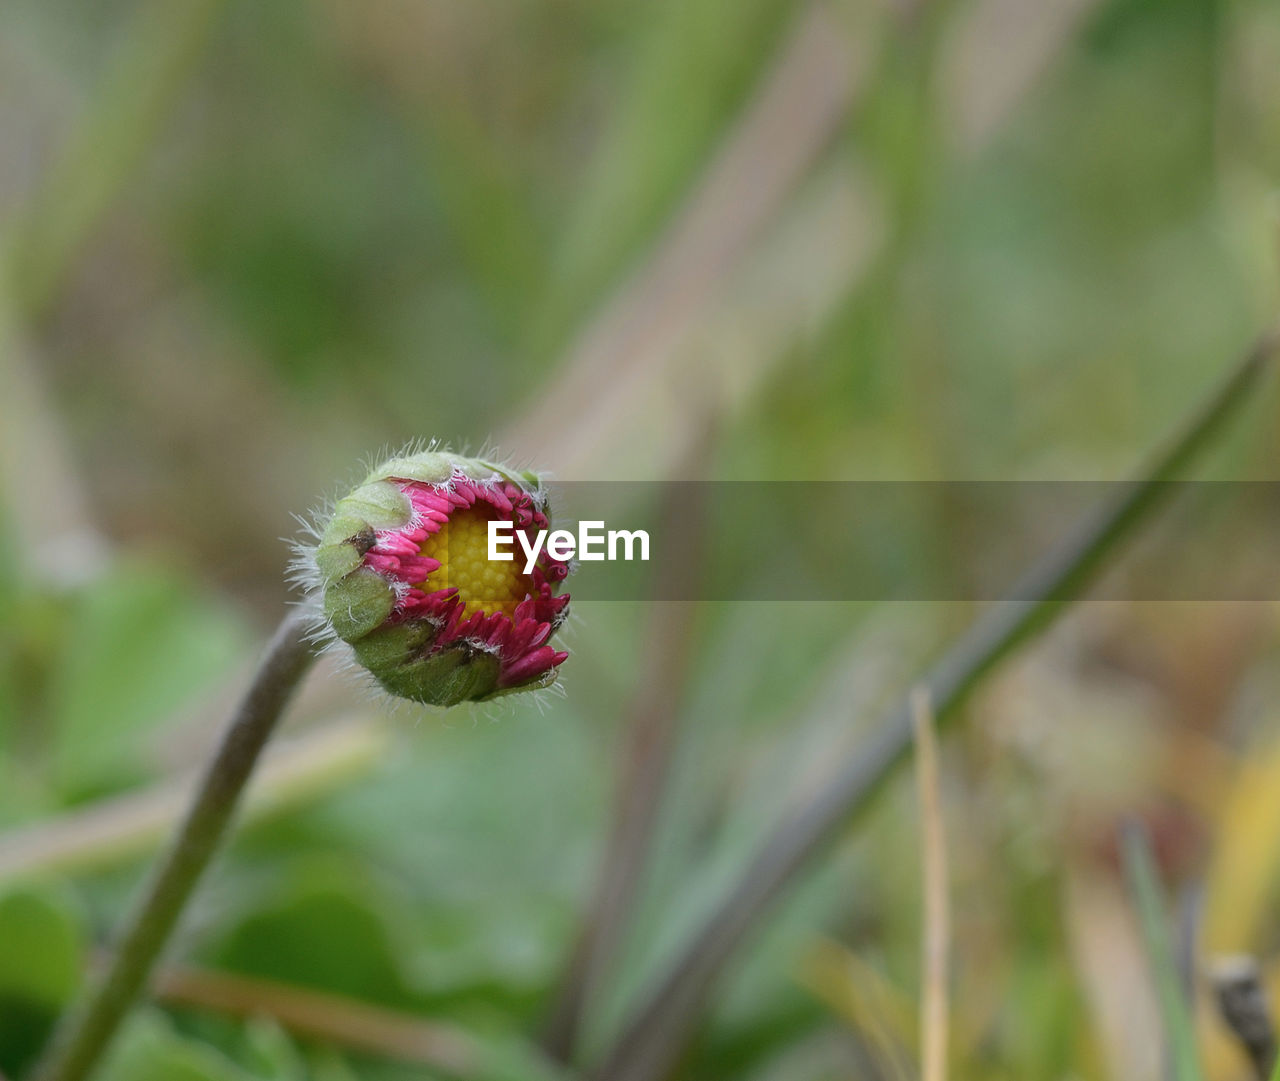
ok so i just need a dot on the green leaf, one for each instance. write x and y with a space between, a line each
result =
142 643
328 1065
41 950
41 946
329 929
150 1050
271 1054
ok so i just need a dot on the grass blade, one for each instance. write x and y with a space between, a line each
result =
1148 897
118 127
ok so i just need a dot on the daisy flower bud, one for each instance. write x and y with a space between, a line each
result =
404 574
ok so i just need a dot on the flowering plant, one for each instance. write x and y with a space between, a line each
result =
403 575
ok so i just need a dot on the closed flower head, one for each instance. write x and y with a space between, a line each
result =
404 572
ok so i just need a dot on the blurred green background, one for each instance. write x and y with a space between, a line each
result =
245 246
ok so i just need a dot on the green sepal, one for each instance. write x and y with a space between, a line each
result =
343 528
437 466
349 533
429 467
457 674
387 648
358 604
545 680
379 505
334 561
342 547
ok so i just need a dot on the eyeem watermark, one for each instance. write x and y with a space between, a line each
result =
592 543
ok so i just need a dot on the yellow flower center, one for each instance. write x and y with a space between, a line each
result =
462 547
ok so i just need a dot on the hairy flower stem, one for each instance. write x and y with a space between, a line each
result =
84 1035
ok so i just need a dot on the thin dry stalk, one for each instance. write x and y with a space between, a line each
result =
800 106
335 1019
113 830
937 919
